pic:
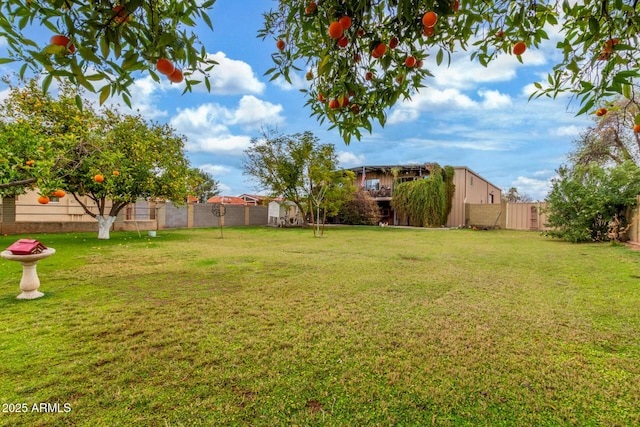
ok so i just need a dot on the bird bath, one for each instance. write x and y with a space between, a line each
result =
30 282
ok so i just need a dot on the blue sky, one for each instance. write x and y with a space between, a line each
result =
468 115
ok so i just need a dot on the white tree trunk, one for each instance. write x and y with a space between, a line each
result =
104 224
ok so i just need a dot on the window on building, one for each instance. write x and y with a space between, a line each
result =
372 184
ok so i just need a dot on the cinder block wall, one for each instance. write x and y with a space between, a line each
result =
485 215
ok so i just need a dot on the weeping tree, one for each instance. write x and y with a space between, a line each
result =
427 202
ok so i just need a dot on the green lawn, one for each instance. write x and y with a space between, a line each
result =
366 326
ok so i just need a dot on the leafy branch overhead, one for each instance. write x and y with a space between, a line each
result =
361 57
100 45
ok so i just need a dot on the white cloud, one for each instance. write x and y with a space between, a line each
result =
231 77
347 159
571 130
215 170
298 81
253 112
535 188
208 127
494 100
221 144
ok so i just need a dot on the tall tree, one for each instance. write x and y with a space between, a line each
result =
514 196
111 158
296 167
362 56
612 140
204 186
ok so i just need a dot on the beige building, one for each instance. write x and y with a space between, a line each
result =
471 188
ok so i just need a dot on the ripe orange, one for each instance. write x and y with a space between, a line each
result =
61 40
428 31
43 200
333 104
176 76
59 194
164 66
345 21
30 162
636 128
429 19
519 48
601 112
98 178
379 50
393 43
121 14
410 61
311 8
343 42
335 30
280 44
116 173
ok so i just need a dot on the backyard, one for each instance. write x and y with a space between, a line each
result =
365 326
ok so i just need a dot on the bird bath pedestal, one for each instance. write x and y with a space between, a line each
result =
30 282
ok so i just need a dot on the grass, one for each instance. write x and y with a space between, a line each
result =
366 326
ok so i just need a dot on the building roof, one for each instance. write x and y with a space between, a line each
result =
227 200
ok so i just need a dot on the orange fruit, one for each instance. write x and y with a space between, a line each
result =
309 75
321 98
333 104
636 128
379 50
601 112
368 76
121 14
43 200
393 43
519 48
311 8
344 101
116 173
428 31
176 76
164 66
343 42
280 44
61 40
30 162
335 30
59 194
429 19
98 178
410 61
345 21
